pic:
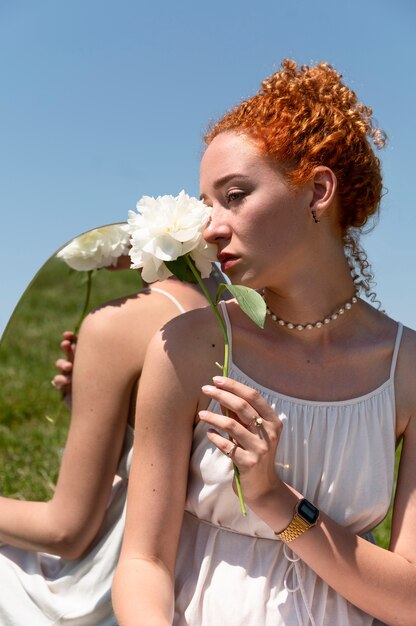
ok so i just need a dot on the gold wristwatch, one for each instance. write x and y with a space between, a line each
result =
306 516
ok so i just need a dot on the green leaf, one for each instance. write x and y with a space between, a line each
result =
180 269
250 301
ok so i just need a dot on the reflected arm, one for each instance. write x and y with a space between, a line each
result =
109 359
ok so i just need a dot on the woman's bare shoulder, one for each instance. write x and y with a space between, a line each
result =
405 378
192 343
407 353
193 330
142 312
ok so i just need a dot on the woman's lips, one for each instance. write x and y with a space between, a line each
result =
227 261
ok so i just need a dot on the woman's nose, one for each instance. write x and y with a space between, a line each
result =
216 227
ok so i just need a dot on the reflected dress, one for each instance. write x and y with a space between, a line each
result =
231 570
40 589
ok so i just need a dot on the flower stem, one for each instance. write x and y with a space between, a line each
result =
225 366
86 303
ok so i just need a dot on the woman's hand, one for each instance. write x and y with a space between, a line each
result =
254 432
63 381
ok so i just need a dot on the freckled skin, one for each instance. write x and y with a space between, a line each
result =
254 205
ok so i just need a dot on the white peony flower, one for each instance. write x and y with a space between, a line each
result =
97 248
166 228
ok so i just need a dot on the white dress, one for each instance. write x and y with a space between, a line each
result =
231 570
40 589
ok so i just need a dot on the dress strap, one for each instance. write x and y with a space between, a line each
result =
169 296
396 349
228 326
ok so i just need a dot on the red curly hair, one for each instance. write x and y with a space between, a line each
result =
304 117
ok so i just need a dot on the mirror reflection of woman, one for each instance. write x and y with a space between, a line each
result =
318 399
57 558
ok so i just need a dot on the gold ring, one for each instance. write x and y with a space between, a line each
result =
231 450
257 421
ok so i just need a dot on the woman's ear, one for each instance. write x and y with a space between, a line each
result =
324 184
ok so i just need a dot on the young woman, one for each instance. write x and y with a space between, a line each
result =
57 558
317 400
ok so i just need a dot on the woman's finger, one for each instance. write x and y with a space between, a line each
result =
68 344
244 401
64 366
228 447
250 395
253 440
70 336
61 383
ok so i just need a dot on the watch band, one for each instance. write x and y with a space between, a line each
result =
300 523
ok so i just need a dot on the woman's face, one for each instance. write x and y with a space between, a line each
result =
260 225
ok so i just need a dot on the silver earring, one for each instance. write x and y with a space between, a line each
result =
314 217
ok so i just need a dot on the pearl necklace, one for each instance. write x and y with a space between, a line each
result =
326 320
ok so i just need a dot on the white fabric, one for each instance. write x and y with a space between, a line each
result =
38 589
231 571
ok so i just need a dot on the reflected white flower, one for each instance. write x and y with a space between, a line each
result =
97 248
165 229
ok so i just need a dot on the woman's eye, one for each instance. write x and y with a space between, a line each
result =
234 196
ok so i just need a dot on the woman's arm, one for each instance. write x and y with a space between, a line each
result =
102 383
109 357
380 582
167 403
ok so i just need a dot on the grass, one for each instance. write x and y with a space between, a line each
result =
33 420
382 532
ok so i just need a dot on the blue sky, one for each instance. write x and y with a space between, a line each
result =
103 102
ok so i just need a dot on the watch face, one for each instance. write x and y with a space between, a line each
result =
309 512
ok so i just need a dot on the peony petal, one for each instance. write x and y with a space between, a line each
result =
168 227
154 270
164 248
97 248
204 256
137 258
188 246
